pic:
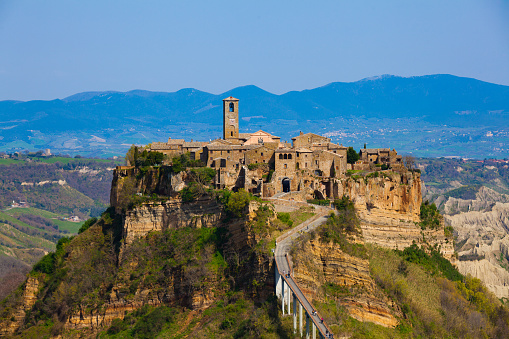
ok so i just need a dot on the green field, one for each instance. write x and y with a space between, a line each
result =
11 161
71 227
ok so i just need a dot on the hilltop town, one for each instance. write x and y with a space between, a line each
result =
264 165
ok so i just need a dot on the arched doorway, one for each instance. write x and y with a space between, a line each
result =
286 185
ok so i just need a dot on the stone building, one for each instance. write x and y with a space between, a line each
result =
260 163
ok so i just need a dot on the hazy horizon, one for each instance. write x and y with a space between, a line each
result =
56 48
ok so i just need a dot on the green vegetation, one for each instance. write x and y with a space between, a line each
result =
50 261
285 217
234 316
433 263
351 155
466 192
431 305
86 225
236 202
342 228
430 216
320 202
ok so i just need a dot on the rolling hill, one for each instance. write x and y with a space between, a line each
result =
443 113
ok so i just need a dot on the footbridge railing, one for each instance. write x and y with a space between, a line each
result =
287 289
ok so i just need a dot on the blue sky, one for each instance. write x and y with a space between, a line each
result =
53 49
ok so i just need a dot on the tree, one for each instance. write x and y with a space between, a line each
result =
130 157
409 161
351 156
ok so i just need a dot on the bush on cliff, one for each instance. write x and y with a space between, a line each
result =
237 202
342 228
430 216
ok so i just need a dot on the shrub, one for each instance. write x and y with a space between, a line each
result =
430 217
86 225
434 262
237 202
285 217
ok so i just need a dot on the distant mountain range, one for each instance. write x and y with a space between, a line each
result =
373 110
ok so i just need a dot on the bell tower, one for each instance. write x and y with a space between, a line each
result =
230 118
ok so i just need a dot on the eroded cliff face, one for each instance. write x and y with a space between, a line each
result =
482 236
128 181
173 213
28 298
318 264
255 267
388 206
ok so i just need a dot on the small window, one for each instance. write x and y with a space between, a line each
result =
280 156
285 156
285 166
316 161
289 156
232 107
228 151
262 154
231 134
306 164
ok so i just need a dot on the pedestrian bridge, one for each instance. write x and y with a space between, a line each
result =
293 301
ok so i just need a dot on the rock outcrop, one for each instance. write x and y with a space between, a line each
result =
28 299
482 236
318 264
388 205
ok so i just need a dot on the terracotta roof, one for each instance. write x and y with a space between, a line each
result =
302 135
336 146
375 150
175 141
230 98
304 150
219 147
194 144
159 145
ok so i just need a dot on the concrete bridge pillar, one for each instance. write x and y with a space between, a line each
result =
278 283
314 331
307 325
300 319
283 295
289 293
294 313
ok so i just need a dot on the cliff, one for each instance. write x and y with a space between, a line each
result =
319 266
482 236
388 204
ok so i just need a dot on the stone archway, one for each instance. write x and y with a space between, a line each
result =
286 185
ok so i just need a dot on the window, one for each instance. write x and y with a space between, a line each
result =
285 156
285 166
262 154
316 161
280 156
231 134
232 107
228 152
306 165
289 156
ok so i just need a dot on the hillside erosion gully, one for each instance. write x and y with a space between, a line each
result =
283 261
